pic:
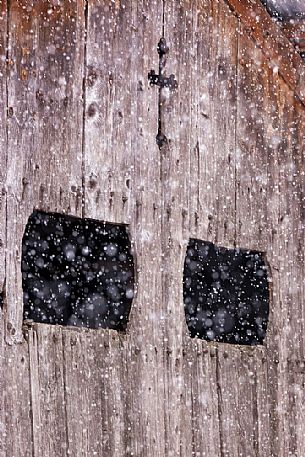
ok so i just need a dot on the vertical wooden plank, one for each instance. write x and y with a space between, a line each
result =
263 402
97 424
113 388
268 168
277 313
144 418
292 218
254 148
48 390
17 402
198 164
46 44
3 140
212 92
230 409
242 401
291 264
121 110
36 409
3 159
270 112
179 22
221 192
122 167
285 335
251 175
78 384
296 384
2 388
105 412
200 379
296 177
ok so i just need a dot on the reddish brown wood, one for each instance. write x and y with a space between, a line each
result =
295 32
277 48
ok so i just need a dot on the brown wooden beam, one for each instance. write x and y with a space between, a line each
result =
273 42
295 32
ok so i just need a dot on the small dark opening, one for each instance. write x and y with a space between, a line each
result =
226 293
76 272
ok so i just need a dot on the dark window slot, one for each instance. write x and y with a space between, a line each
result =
226 293
77 272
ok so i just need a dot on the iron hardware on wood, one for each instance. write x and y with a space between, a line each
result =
162 81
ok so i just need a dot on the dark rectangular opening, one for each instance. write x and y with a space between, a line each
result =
226 293
77 272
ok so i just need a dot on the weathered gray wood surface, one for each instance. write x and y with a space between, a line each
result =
44 160
78 125
3 159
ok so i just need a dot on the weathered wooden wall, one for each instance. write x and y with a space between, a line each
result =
78 122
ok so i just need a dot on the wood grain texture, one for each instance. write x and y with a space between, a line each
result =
269 36
45 126
201 400
175 164
122 185
285 341
121 156
242 401
3 160
18 434
271 115
2 387
252 146
201 128
48 391
97 423
248 130
230 172
295 32
3 140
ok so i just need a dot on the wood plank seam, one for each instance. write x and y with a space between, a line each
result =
31 334
235 134
65 393
4 291
84 102
219 402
